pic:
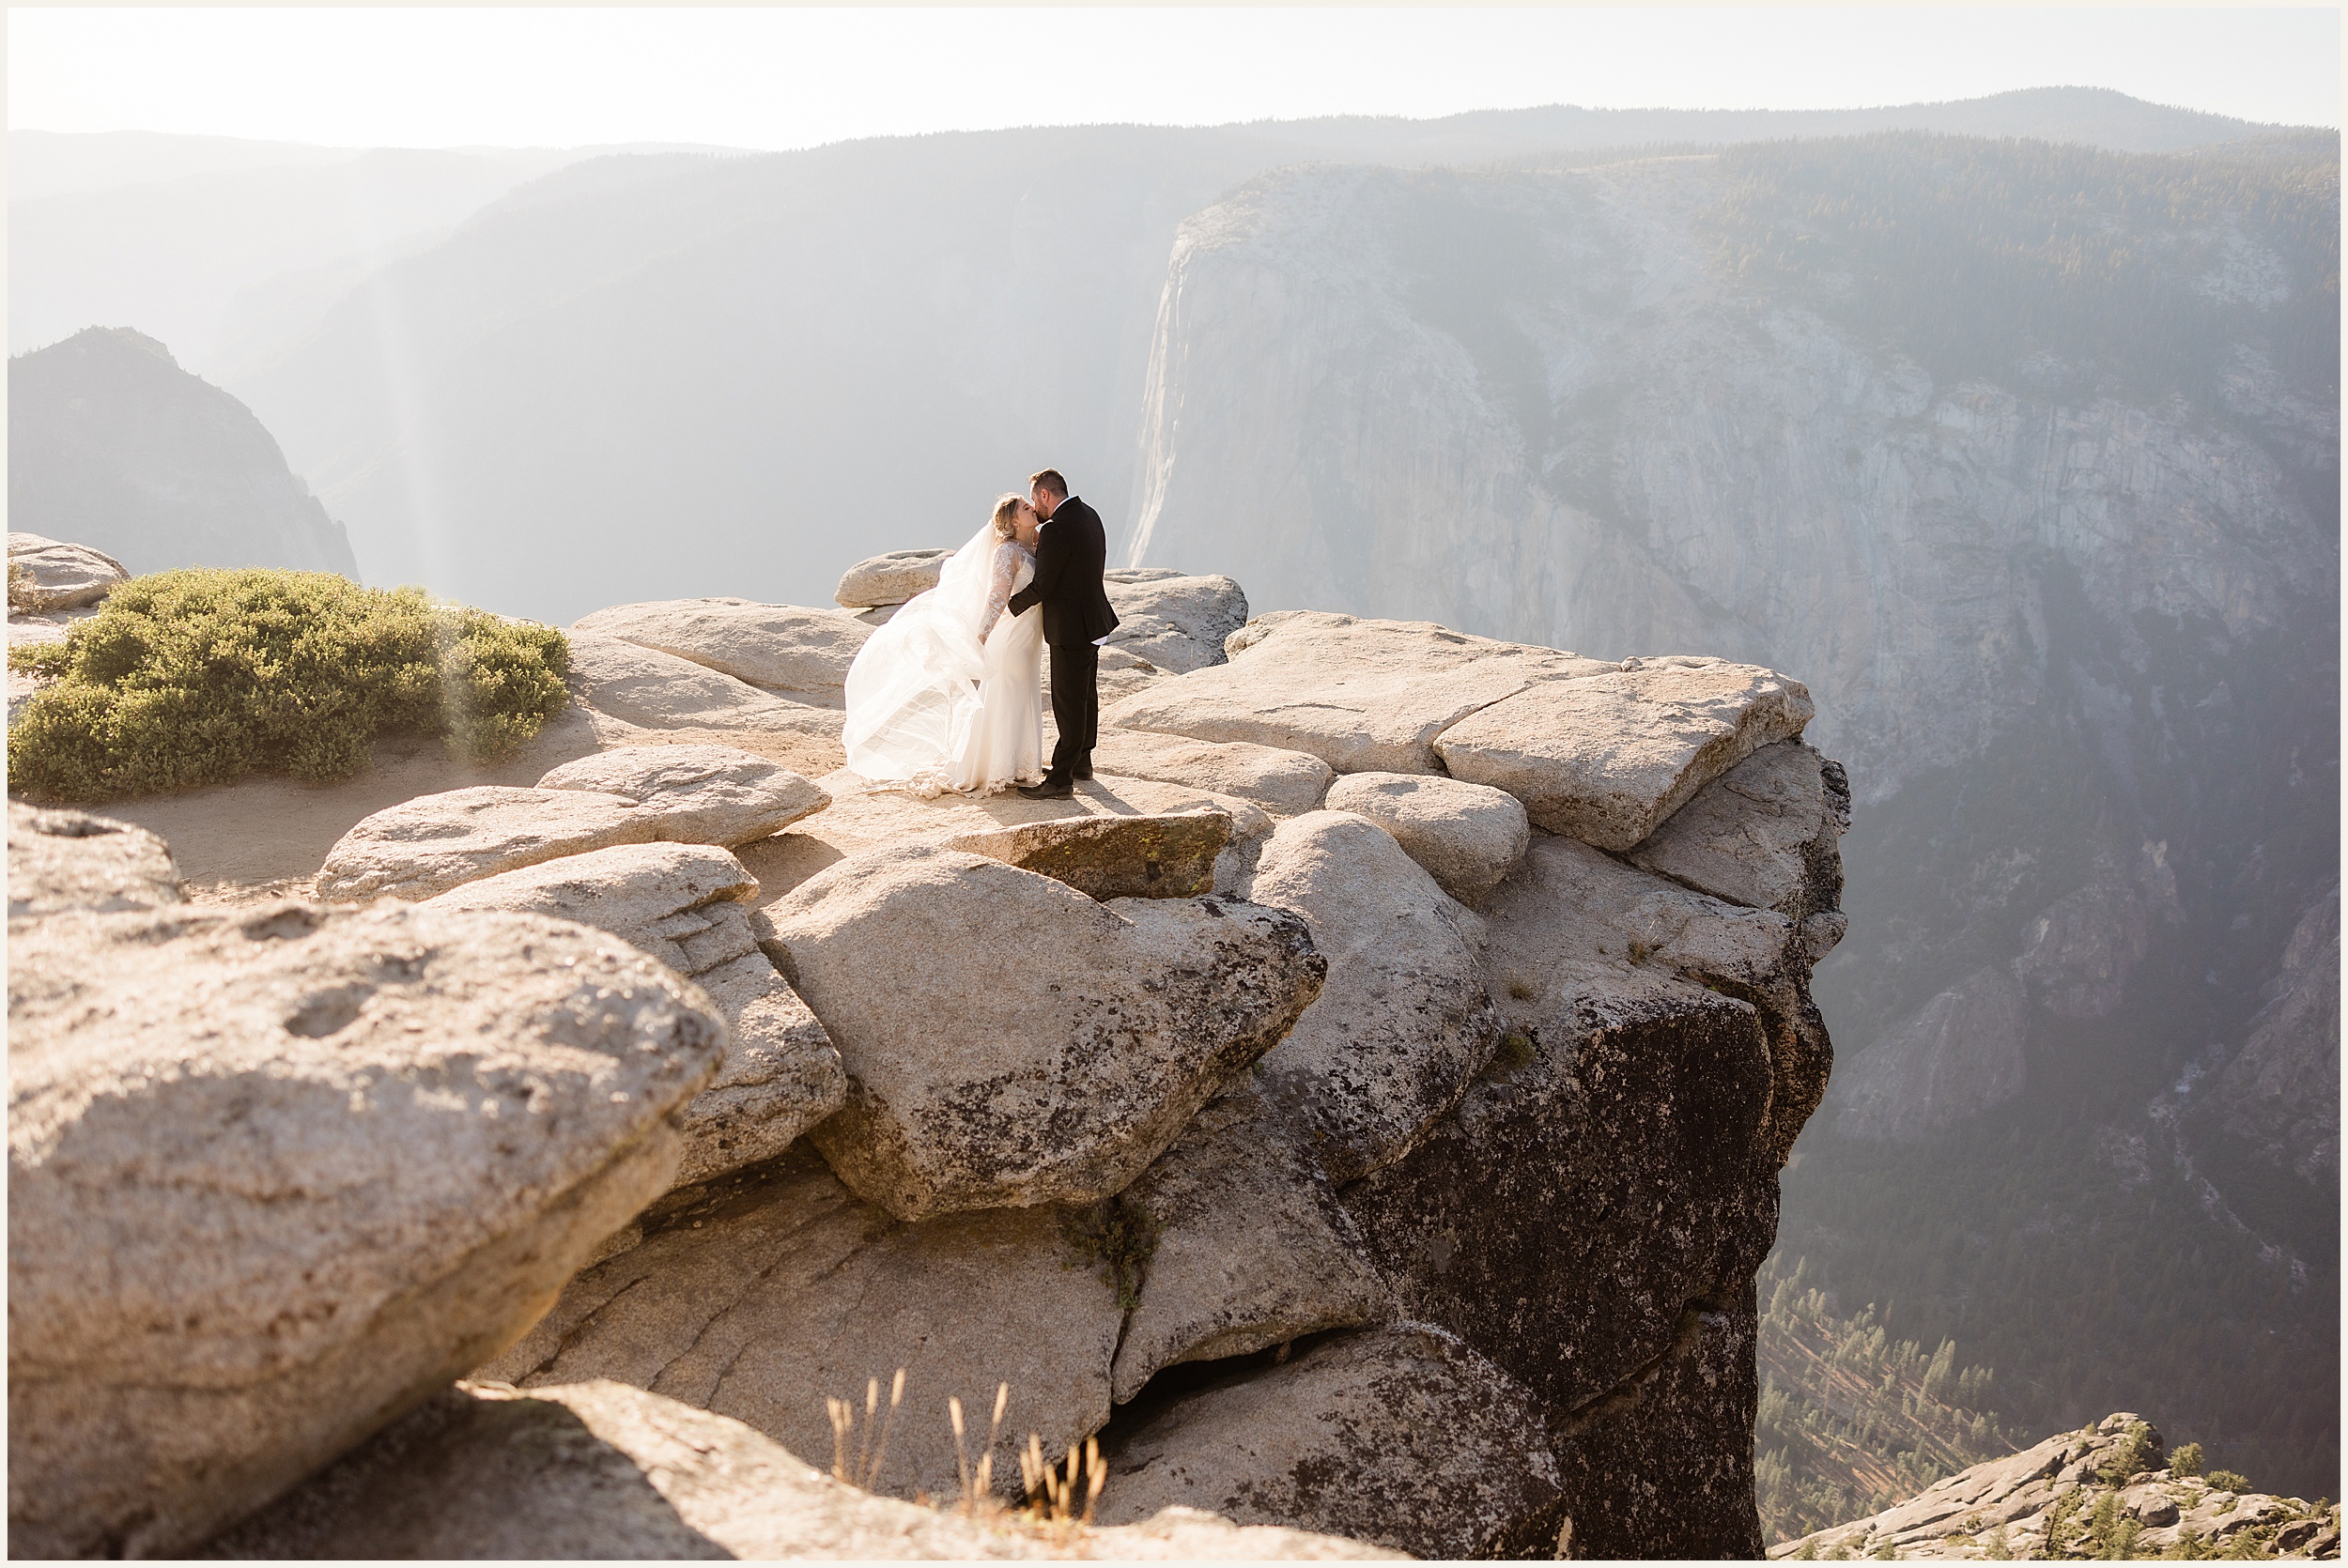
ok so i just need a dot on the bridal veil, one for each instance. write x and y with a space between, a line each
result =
913 691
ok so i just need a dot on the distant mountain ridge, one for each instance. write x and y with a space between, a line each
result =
113 445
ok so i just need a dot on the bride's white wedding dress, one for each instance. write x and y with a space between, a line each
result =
949 694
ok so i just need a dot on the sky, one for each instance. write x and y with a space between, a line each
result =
781 78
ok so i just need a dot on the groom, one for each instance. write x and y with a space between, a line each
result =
1070 554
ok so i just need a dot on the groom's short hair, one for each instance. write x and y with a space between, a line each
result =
1049 479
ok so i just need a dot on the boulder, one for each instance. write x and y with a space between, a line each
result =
655 690
703 794
891 578
1403 1436
1177 623
1607 757
602 1470
1362 696
762 1294
1959 1056
1402 1022
1467 835
70 860
1766 833
1608 1181
277 1173
780 648
1285 783
47 575
433 843
1249 1247
1047 1061
1149 856
687 905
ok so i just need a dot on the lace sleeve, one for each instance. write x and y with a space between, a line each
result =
998 587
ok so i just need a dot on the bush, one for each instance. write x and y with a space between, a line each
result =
2132 1452
2228 1481
203 676
2187 1460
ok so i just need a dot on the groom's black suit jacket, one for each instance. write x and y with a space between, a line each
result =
1071 553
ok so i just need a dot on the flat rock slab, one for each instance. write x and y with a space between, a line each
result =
761 1295
703 794
1177 623
1285 783
653 690
600 1469
778 648
60 861
275 1174
1048 1062
1403 1436
891 578
1252 1248
1467 835
1362 696
1402 1022
1148 856
1765 833
686 906
1608 757
58 576
428 845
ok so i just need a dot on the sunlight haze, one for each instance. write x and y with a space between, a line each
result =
791 78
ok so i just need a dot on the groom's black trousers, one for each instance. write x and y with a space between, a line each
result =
1075 706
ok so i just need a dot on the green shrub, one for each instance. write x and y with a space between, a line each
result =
202 676
2132 1453
2187 1460
2228 1481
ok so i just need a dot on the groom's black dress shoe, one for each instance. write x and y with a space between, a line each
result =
1051 788
1081 773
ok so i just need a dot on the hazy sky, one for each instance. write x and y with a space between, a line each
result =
795 77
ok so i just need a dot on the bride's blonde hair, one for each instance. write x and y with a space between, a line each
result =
1007 516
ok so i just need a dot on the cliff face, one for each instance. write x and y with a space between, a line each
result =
112 444
2060 551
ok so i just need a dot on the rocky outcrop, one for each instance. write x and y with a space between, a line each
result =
1468 837
112 443
655 690
602 1470
1959 1056
1047 1063
1170 855
1176 623
687 907
629 796
2281 1094
1607 757
1765 833
889 579
800 653
1362 696
1284 783
1401 1435
70 860
45 575
760 1296
277 1174
1248 1247
2106 1490
701 794
1402 1022
2077 955
434 842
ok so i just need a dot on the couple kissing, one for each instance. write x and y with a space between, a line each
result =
946 694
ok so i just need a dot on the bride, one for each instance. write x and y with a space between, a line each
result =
947 694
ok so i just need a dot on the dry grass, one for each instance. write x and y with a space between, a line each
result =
1059 1499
